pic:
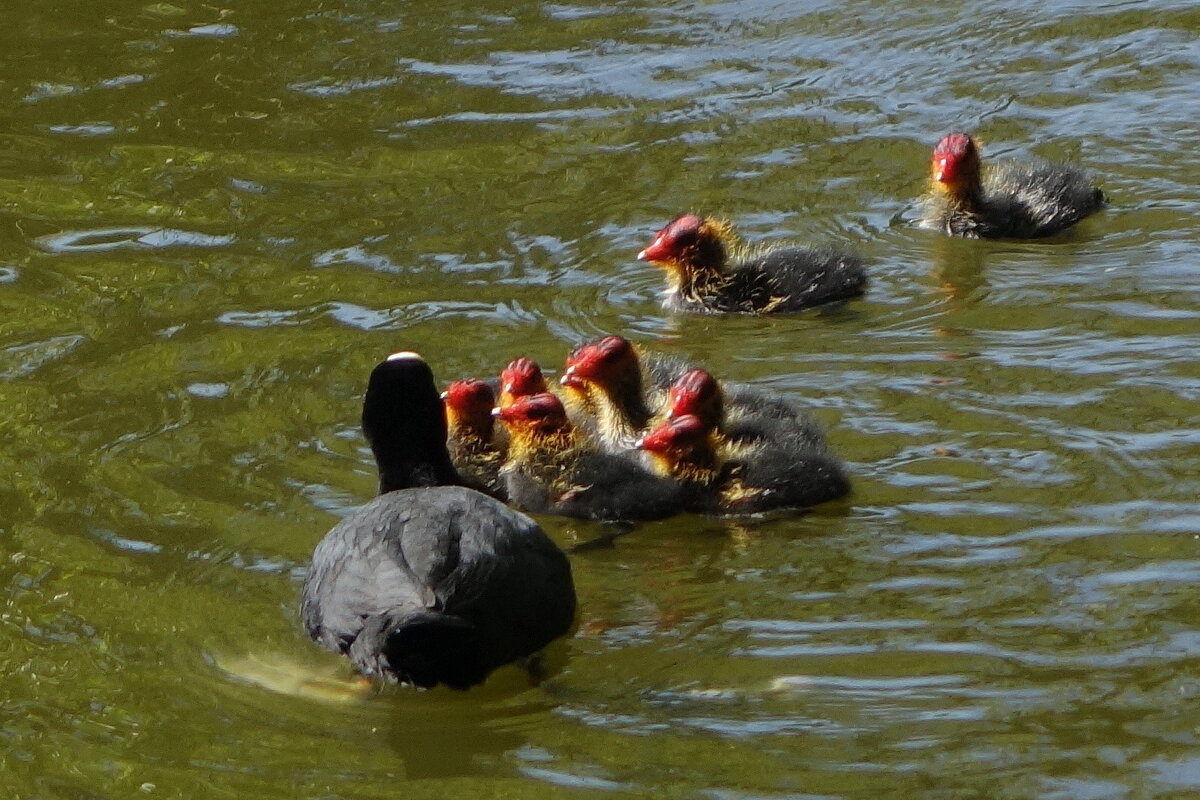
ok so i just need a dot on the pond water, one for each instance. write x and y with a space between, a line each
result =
214 221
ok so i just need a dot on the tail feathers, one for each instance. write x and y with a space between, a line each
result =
423 649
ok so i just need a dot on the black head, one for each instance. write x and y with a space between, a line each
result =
405 424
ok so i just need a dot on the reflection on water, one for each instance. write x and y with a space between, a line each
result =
122 238
215 221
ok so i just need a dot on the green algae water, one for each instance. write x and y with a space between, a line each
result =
215 220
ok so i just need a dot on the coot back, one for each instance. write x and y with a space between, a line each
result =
431 582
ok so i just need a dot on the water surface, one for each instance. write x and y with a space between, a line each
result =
213 222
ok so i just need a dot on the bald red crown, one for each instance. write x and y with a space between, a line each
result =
537 408
674 435
954 157
679 234
695 392
522 377
601 360
468 406
470 393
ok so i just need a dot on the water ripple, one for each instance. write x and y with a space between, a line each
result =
104 239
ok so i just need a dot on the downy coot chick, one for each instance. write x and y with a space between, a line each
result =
604 385
521 378
710 270
1004 199
616 390
475 450
431 582
553 468
743 413
740 478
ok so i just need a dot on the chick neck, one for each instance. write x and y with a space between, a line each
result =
620 408
700 268
964 192
530 445
470 433
695 465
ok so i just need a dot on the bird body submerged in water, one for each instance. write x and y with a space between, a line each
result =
710 270
431 582
754 457
1003 200
727 477
616 390
553 468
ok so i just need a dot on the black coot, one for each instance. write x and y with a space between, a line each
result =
431 582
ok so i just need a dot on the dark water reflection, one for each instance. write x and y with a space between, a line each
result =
214 221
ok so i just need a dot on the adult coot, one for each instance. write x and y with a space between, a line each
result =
1003 200
710 270
431 582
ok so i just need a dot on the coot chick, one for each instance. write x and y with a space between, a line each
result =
521 378
431 582
743 414
605 387
553 468
475 450
709 270
775 454
615 389
743 478
1004 199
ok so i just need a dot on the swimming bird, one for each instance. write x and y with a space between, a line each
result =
605 385
1005 199
726 478
475 449
431 582
553 468
710 270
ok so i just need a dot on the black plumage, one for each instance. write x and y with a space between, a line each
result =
727 477
742 413
553 468
1006 199
710 271
616 389
779 475
431 583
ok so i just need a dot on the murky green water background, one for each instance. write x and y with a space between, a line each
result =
214 221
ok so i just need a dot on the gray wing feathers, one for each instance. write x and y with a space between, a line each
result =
455 553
